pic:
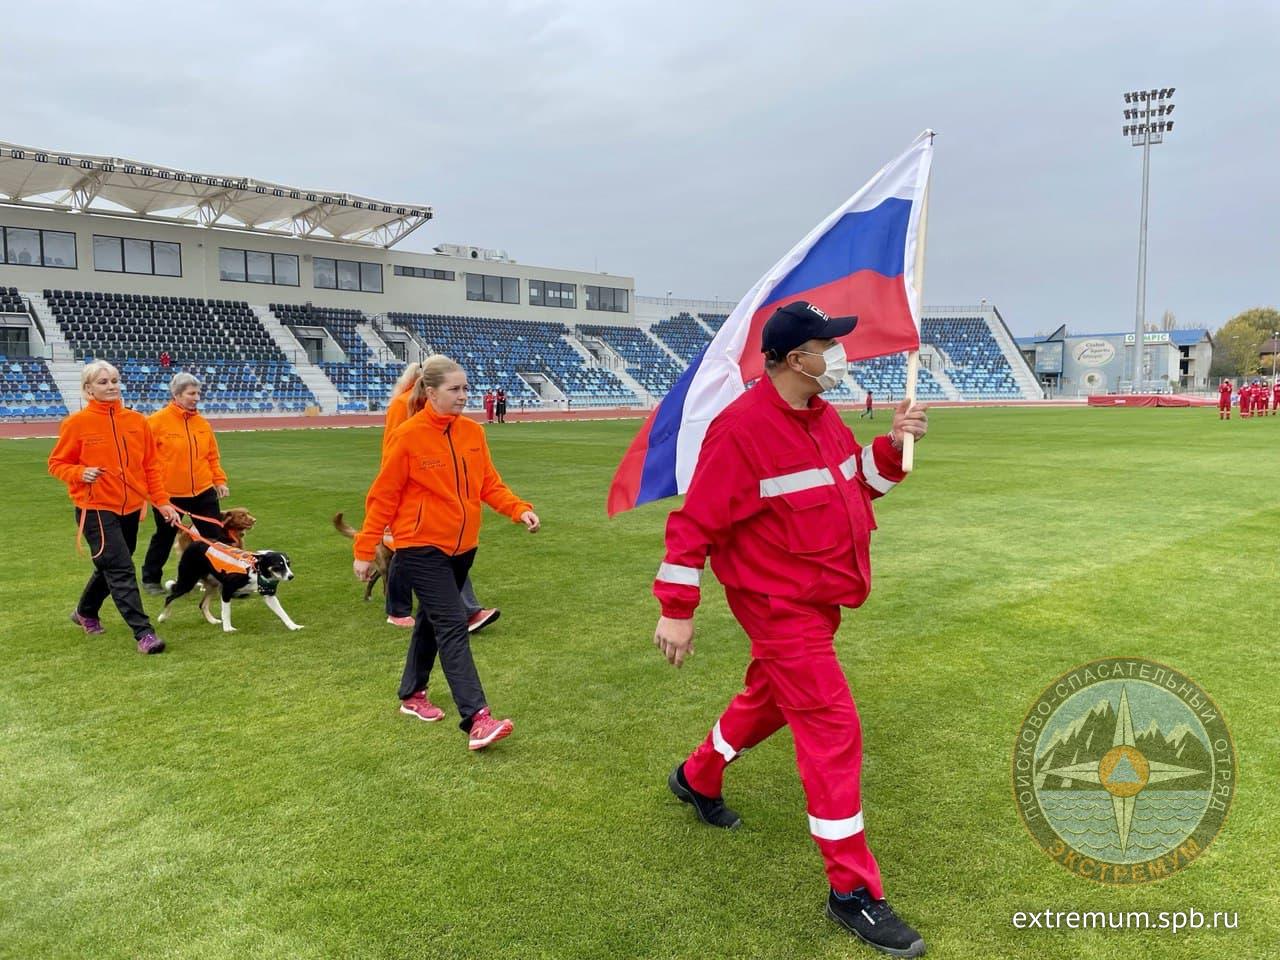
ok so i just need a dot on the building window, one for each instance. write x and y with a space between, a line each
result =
167 258
424 273
330 274
613 299
493 289
25 247
255 266
137 256
107 255
548 293
286 268
126 255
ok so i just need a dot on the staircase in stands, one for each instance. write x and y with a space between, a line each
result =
63 365
325 392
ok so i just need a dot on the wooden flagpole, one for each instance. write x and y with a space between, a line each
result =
913 358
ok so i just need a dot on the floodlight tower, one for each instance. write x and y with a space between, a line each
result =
1147 116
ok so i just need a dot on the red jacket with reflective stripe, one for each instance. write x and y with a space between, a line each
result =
781 501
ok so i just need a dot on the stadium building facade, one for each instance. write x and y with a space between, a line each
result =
1096 363
284 300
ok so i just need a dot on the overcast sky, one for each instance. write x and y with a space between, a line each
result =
690 144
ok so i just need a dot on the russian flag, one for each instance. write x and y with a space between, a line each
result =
860 260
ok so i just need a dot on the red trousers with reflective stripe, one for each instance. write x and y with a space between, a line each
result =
797 681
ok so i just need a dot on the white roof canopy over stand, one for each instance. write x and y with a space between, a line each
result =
108 185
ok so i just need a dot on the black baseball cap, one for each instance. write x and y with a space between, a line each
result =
799 322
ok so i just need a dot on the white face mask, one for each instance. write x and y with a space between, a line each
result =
837 366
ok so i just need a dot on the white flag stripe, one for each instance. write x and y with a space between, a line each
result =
721 744
836 829
674 573
795 482
718 380
872 472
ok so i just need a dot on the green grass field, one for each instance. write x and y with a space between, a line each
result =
256 795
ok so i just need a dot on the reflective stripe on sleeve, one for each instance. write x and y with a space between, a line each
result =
835 829
795 482
872 472
850 467
674 573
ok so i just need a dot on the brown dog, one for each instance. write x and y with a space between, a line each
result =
381 557
236 522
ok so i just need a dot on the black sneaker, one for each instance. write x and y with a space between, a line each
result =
152 588
710 810
874 923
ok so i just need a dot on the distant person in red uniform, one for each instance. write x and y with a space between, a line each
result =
870 410
1246 400
1275 397
1224 400
781 502
1264 398
490 401
165 359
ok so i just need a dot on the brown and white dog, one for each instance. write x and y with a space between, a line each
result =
381 556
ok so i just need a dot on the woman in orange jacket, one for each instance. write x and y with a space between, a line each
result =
193 475
106 456
399 605
435 474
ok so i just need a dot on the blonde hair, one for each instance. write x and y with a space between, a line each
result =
434 369
91 371
408 377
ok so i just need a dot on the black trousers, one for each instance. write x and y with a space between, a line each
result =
400 594
441 628
112 538
204 503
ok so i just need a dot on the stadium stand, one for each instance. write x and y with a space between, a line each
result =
341 324
221 341
976 365
10 301
886 378
683 335
713 320
495 352
362 386
27 391
362 382
647 363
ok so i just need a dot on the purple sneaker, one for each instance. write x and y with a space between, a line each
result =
87 624
150 643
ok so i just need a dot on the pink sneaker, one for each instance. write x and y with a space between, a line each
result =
486 730
419 706
482 619
401 622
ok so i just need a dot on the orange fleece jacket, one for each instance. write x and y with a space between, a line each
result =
397 413
118 440
188 451
435 473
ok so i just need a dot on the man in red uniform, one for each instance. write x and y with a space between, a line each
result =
1246 401
1264 398
781 500
1224 400
1275 396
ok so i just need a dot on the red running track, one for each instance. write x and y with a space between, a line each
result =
49 428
